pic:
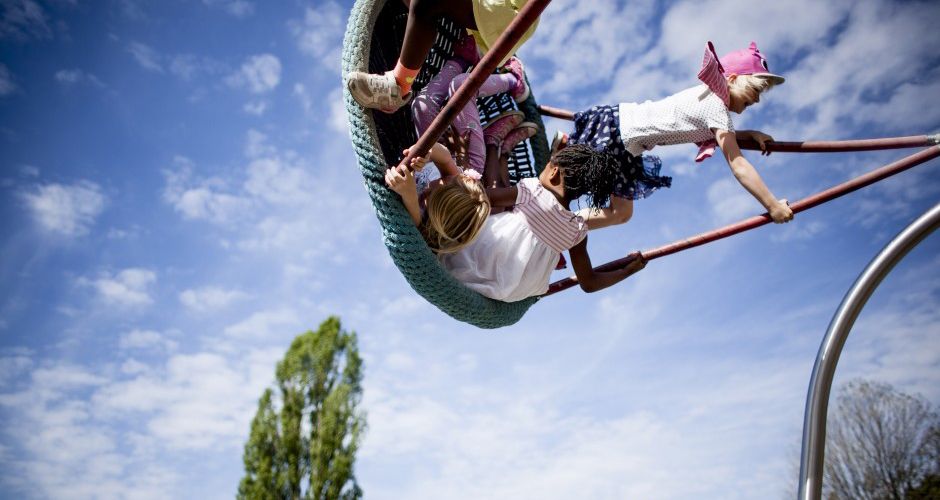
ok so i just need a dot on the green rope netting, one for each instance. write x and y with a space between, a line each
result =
407 248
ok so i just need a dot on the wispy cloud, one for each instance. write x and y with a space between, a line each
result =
6 81
210 298
237 8
259 74
76 76
128 288
200 199
22 20
146 340
320 33
146 57
69 210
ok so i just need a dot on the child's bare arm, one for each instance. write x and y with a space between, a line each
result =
747 175
403 183
757 136
502 197
591 280
619 212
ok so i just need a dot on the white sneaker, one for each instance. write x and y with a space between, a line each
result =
376 91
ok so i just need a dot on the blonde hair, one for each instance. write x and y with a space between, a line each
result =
456 213
750 83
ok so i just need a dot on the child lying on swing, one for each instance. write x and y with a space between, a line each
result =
514 253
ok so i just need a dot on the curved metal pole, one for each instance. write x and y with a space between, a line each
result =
817 400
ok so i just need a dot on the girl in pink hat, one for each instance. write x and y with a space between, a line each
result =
700 115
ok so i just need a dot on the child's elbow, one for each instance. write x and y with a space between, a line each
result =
588 286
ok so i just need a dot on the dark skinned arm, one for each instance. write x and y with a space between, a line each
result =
502 197
591 280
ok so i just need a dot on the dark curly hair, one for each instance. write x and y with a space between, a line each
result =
588 173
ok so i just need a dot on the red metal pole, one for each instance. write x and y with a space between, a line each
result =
564 114
913 141
519 25
760 220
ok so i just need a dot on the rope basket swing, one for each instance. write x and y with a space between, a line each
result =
373 41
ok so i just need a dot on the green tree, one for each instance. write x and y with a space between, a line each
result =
304 444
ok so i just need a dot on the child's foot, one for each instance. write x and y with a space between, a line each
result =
517 135
520 91
376 91
466 50
495 131
559 142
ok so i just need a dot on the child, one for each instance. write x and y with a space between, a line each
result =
516 251
453 211
700 114
427 104
487 19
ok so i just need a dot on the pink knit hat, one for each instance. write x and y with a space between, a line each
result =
748 61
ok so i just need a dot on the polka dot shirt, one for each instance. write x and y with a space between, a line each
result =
686 117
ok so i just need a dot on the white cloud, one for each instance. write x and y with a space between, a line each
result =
23 20
259 74
130 287
339 121
75 76
146 57
200 199
256 108
237 8
266 324
320 34
730 202
300 92
210 298
69 210
6 81
145 340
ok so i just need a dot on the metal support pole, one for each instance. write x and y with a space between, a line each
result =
812 458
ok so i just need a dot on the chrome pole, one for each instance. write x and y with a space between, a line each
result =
817 400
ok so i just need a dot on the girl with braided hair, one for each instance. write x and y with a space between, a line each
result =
516 251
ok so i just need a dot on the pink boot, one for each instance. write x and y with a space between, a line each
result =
502 124
520 91
524 131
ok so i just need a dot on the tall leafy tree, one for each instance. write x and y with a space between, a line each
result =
303 443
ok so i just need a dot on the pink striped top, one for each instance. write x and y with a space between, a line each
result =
552 224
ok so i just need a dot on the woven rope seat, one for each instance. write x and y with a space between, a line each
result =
373 41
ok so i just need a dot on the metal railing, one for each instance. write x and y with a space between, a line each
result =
812 457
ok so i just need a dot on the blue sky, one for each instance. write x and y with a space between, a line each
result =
180 200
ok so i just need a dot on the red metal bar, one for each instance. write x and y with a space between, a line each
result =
564 114
519 25
913 141
760 220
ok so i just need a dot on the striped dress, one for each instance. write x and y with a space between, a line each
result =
516 252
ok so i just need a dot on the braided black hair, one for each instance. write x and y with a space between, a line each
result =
588 173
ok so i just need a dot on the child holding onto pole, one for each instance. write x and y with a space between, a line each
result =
700 115
516 251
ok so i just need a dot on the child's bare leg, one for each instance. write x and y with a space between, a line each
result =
421 29
504 170
492 177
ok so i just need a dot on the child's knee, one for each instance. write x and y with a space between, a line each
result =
456 83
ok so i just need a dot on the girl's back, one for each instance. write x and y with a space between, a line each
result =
515 252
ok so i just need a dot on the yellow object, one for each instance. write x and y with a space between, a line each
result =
492 18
